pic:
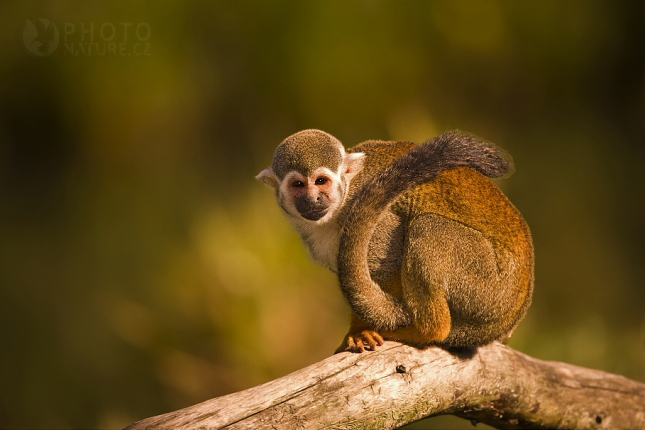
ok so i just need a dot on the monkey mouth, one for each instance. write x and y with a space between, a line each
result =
313 215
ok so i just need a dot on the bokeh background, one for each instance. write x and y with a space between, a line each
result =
142 269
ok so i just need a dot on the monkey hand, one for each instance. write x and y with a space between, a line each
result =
360 340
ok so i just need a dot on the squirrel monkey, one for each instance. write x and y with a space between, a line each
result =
426 248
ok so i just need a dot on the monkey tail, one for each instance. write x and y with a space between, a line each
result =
421 164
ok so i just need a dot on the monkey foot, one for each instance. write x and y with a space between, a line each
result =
358 342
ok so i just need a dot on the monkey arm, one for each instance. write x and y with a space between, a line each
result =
376 307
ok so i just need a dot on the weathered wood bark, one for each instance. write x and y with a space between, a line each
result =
400 384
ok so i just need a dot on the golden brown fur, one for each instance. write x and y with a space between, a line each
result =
427 249
454 251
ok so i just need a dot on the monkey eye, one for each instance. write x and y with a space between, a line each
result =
298 184
321 181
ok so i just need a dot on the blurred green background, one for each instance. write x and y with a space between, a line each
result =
143 269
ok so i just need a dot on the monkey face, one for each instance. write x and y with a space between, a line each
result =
310 174
313 196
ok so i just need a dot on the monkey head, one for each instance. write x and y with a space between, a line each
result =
310 174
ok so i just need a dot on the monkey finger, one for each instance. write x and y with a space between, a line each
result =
351 345
378 338
367 336
360 345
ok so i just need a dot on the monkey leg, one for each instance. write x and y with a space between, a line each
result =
427 264
359 337
453 285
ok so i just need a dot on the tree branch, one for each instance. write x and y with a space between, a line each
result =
400 384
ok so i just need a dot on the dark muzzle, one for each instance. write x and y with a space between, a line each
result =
312 208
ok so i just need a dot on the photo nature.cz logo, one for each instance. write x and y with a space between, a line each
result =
41 38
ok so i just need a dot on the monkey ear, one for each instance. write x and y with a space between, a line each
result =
268 178
353 164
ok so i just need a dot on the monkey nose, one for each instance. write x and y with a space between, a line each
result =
312 207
